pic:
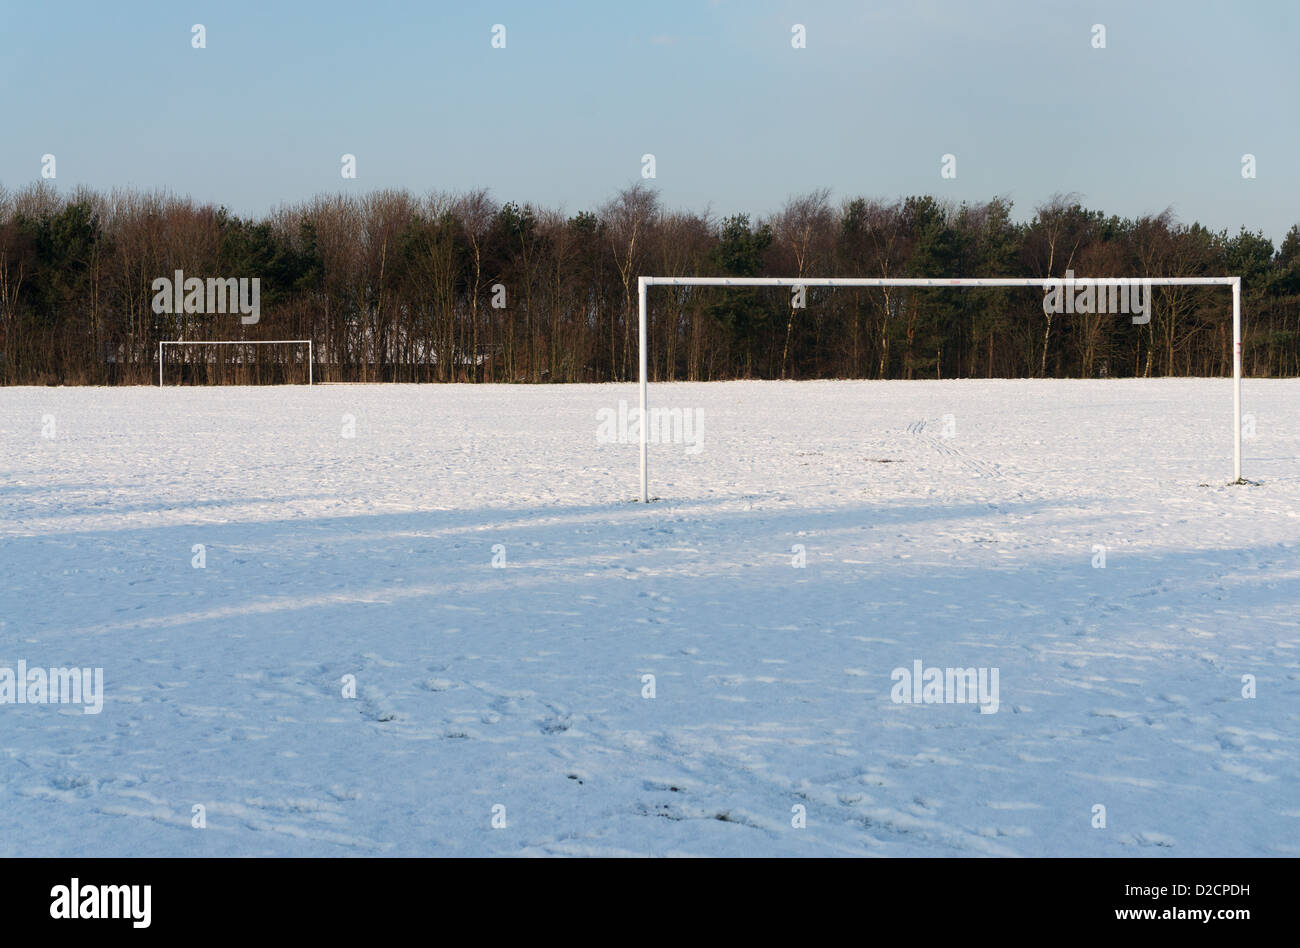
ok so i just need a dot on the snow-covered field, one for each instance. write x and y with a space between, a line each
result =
956 524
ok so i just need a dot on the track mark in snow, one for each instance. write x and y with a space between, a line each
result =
942 446
1147 839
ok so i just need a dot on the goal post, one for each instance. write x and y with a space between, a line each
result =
162 343
1045 283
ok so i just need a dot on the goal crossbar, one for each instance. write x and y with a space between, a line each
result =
232 342
645 282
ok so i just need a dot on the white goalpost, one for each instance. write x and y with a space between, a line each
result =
234 342
645 282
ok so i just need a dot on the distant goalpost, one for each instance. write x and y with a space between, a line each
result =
233 342
645 282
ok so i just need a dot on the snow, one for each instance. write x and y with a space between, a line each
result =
951 523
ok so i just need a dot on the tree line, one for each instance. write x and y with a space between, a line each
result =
392 286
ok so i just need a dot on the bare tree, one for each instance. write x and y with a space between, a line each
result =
1059 227
803 228
476 211
888 238
628 216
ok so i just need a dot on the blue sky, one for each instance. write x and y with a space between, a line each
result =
737 119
